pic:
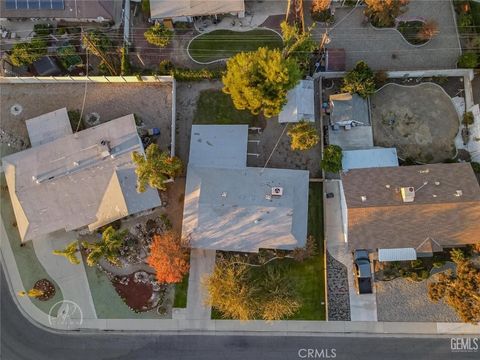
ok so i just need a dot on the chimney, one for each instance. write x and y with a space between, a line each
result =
408 194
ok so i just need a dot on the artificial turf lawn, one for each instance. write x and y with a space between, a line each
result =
181 290
216 107
222 44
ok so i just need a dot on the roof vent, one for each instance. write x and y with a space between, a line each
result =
426 171
437 183
364 198
387 186
458 193
434 195
408 194
277 191
268 197
224 194
76 163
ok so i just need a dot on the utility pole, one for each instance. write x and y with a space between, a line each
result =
89 43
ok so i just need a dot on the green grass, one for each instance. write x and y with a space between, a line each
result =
222 44
216 107
476 13
29 267
181 290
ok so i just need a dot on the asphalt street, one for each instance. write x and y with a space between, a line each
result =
21 340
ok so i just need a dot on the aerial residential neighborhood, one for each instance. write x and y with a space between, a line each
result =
240 179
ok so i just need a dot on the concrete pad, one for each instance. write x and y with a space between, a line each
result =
202 263
359 137
364 327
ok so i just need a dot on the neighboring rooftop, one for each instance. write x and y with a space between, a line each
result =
62 9
399 207
347 107
163 9
48 127
369 158
300 103
231 207
78 180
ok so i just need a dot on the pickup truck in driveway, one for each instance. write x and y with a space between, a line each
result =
362 271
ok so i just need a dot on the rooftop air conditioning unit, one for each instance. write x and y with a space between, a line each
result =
408 194
277 191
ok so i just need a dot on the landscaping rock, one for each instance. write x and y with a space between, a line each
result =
338 295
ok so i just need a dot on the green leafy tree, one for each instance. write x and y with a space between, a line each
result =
155 168
125 67
383 13
68 56
28 52
460 290
158 35
109 247
303 136
332 159
70 252
468 60
360 80
297 44
259 80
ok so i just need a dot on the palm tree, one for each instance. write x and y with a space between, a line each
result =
109 247
155 168
69 252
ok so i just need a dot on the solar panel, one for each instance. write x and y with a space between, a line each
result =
11 4
34 4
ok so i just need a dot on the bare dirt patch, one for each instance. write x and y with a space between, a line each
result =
420 121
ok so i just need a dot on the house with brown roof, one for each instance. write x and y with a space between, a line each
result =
409 211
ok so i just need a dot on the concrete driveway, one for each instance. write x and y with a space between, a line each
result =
362 307
386 49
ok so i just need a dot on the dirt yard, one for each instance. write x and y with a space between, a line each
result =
420 121
152 102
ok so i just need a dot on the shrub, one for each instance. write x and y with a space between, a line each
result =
303 136
465 22
383 13
43 29
474 43
424 274
195 75
145 5
28 52
475 166
165 67
360 80
158 35
468 60
468 118
332 159
428 30
381 78
68 56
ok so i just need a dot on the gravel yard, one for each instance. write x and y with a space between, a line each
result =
152 102
405 300
338 296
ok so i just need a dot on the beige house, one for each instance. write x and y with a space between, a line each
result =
74 180
186 10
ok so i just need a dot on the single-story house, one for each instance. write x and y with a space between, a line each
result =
66 10
186 10
232 207
300 104
411 211
69 181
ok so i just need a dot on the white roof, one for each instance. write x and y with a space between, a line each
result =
48 127
162 9
369 158
300 104
397 254
77 181
228 206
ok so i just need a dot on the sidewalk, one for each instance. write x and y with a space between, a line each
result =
71 278
362 307
202 263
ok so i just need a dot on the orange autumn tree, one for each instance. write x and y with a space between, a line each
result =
169 257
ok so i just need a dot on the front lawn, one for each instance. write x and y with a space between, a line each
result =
181 290
216 107
222 44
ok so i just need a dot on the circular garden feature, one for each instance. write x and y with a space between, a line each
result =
417 32
46 287
223 44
